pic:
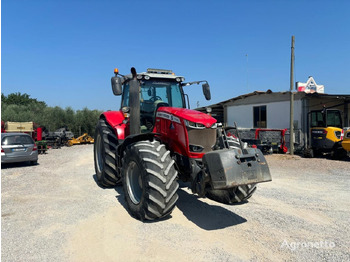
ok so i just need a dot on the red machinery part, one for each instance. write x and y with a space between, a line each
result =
3 127
39 134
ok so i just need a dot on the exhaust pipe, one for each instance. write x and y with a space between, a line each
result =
134 103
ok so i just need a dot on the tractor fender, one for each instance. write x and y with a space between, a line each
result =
115 120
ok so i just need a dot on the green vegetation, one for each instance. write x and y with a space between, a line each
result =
17 107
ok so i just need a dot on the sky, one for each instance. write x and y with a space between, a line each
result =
64 52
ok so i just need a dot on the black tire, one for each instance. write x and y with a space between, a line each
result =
105 146
149 180
232 195
309 153
339 153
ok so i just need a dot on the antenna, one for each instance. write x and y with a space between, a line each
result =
247 70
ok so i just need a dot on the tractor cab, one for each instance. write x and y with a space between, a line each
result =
155 93
154 89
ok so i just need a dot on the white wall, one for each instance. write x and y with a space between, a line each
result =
277 114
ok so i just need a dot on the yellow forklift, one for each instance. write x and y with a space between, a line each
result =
346 141
325 134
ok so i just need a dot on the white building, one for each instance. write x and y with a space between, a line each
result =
272 110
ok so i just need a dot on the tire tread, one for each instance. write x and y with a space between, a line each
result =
159 176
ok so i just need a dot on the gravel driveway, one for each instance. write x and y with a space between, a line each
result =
55 211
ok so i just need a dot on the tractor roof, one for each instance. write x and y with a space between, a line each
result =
160 73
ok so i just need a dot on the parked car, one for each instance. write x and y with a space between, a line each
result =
18 147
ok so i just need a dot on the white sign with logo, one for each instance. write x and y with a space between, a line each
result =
310 86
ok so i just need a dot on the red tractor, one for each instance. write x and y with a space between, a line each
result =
154 141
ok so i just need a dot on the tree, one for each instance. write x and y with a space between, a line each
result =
17 107
20 99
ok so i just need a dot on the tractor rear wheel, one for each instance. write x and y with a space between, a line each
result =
149 180
232 195
105 146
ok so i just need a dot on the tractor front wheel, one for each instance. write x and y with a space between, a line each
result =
149 180
232 195
105 145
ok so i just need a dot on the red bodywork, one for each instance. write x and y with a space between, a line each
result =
170 126
115 119
3 127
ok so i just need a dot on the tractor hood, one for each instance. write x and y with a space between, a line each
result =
190 115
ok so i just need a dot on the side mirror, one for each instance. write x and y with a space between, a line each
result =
116 85
206 91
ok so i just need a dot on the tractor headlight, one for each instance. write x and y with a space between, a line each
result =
194 125
196 148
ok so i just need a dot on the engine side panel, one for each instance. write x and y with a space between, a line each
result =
172 131
170 124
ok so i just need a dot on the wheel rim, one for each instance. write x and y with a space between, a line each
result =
134 182
98 153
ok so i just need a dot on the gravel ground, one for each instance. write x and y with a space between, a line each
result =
55 211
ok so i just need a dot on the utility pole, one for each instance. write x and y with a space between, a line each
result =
291 129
